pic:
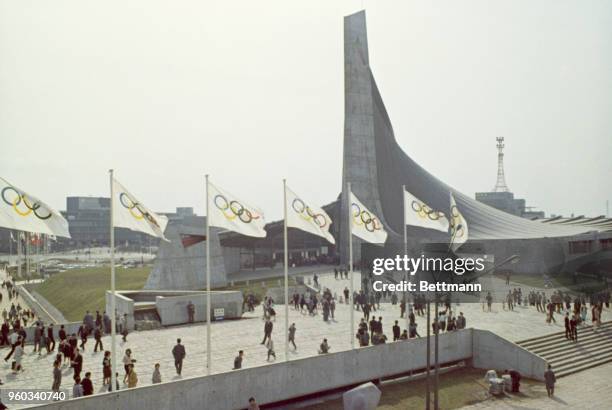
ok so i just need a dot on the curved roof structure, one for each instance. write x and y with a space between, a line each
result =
377 167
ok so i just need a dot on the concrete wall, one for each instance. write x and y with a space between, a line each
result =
177 267
45 304
494 352
123 305
280 381
278 294
287 380
172 310
44 314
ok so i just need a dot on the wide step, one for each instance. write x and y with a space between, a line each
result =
594 348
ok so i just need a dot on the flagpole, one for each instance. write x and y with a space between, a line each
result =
10 249
208 327
19 253
286 262
352 290
405 253
27 252
113 291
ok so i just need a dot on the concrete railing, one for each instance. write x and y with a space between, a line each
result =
41 311
296 378
494 352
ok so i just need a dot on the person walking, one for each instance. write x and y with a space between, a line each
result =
132 377
18 357
178 351
50 339
77 363
127 362
550 380
37 336
14 340
156 378
574 328
57 376
98 337
292 330
270 346
396 331
106 368
83 333
267 331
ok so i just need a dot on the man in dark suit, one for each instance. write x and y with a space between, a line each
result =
568 330
267 331
77 363
178 351
396 331
50 338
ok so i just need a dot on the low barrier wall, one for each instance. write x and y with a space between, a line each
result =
494 352
280 381
172 310
33 303
297 378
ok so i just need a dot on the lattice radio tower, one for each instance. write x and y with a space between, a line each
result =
500 185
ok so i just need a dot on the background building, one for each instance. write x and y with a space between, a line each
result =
500 197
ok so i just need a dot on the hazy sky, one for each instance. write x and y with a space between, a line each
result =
252 91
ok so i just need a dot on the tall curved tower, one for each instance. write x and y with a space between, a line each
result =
377 167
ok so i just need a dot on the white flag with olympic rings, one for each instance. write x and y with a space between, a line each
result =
365 224
458 225
311 219
130 213
24 212
227 211
418 213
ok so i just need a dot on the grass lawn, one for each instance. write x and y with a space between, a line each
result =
458 388
77 290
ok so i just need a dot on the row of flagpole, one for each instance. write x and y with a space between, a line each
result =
223 210
240 212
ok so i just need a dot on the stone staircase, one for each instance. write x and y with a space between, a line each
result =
594 348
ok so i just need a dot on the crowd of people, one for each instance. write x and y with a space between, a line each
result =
318 303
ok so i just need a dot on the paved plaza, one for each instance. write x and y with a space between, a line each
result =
589 389
150 347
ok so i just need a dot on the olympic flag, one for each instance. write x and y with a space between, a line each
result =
418 213
129 213
307 218
458 224
227 211
365 224
24 212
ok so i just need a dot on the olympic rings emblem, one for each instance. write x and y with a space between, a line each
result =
234 209
136 209
308 214
456 227
424 211
15 199
363 217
